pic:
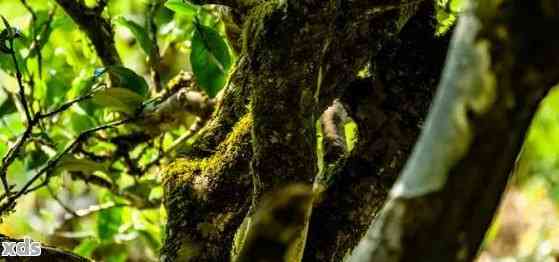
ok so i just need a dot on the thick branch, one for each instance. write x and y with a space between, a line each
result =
501 65
238 5
283 82
389 112
208 198
171 112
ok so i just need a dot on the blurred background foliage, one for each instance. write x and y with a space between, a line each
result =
103 198
104 203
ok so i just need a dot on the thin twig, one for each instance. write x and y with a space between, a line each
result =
154 56
52 163
193 130
20 84
22 140
64 106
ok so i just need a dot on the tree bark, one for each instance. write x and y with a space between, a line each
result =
296 58
502 63
97 28
389 112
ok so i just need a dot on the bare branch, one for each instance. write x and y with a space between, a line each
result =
154 56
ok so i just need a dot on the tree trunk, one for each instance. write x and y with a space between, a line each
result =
296 58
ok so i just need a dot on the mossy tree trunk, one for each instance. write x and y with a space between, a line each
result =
295 58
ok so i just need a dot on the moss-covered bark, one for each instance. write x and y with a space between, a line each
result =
296 58
207 199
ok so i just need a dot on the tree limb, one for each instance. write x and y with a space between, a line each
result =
97 28
262 69
389 108
502 63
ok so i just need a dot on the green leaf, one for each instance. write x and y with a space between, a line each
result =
210 59
128 79
7 105
12 125
185 8
118 99
150 238
139 33
3 149
80 122
108 223
35 158
86 247
43 30
71 163
7 63
57 87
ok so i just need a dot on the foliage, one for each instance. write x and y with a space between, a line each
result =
95 177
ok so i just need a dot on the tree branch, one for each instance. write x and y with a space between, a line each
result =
500 53
291 107
389 112
97 28
211 195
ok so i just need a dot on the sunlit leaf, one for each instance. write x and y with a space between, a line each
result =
7 105
128 79
12 124
108 223
80 122
3 149
35 158
185 8
118 99
71 163
86 247
139 32
210 59
43 30
57 86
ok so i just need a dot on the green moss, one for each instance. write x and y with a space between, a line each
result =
255 23
181 171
